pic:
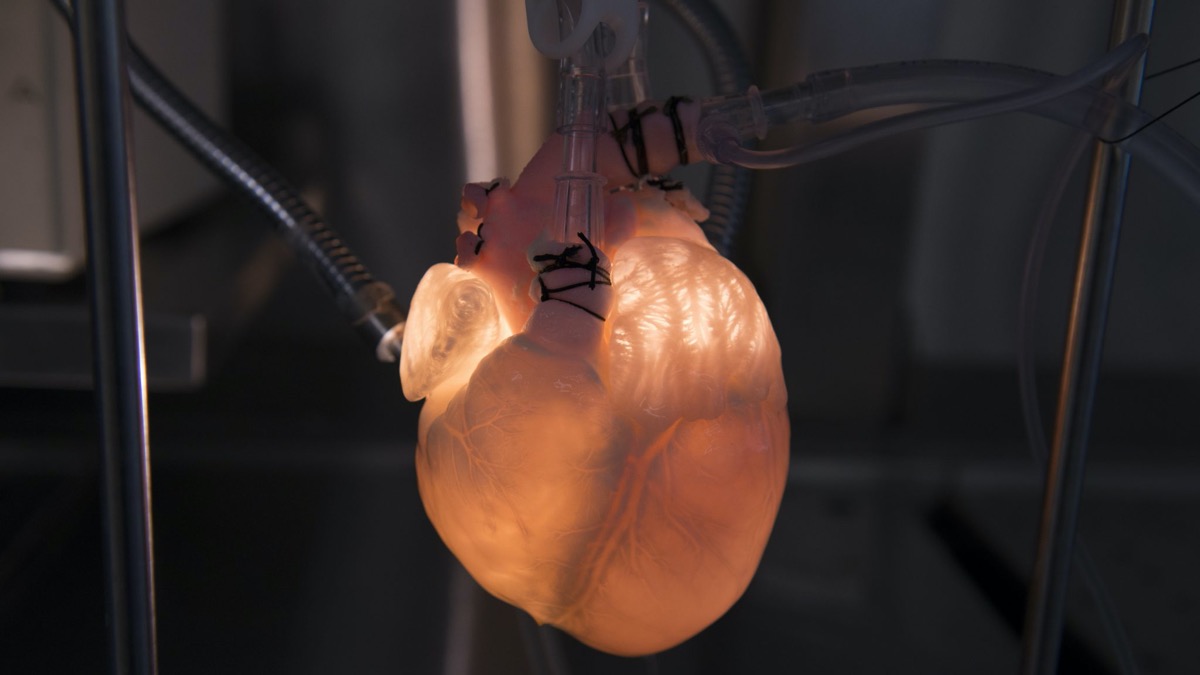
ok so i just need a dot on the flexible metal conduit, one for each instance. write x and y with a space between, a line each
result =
369 304
729 186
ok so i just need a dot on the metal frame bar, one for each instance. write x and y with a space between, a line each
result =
1095 268
117 333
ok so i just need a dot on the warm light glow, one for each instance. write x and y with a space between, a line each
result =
610 459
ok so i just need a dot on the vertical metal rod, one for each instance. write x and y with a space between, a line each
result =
1092 292
117 337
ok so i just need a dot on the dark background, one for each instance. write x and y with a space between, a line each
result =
289 535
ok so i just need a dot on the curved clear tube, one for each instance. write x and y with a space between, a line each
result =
842 98
988 88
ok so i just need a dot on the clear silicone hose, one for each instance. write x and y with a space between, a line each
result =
579 189
834 92
973 89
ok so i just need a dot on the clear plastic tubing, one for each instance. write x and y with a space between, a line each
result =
842 92
579 190
974 89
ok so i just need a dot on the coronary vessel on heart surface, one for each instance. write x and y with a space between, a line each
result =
604 441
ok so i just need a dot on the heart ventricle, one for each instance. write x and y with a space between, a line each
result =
614 464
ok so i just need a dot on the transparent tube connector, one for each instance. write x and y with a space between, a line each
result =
579 190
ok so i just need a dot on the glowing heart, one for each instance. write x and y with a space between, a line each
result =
604 442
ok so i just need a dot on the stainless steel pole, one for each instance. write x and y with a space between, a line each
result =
117 328
1094 271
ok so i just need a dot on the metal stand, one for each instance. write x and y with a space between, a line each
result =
117 333
1080 373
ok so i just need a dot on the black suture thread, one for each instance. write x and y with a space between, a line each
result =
1145 126
665 183
599 275
633 129
672 110
1171 69
619 134
639 142
1172 109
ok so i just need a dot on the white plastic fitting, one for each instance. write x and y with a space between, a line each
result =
621 16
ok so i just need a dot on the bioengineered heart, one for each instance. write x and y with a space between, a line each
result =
604 441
